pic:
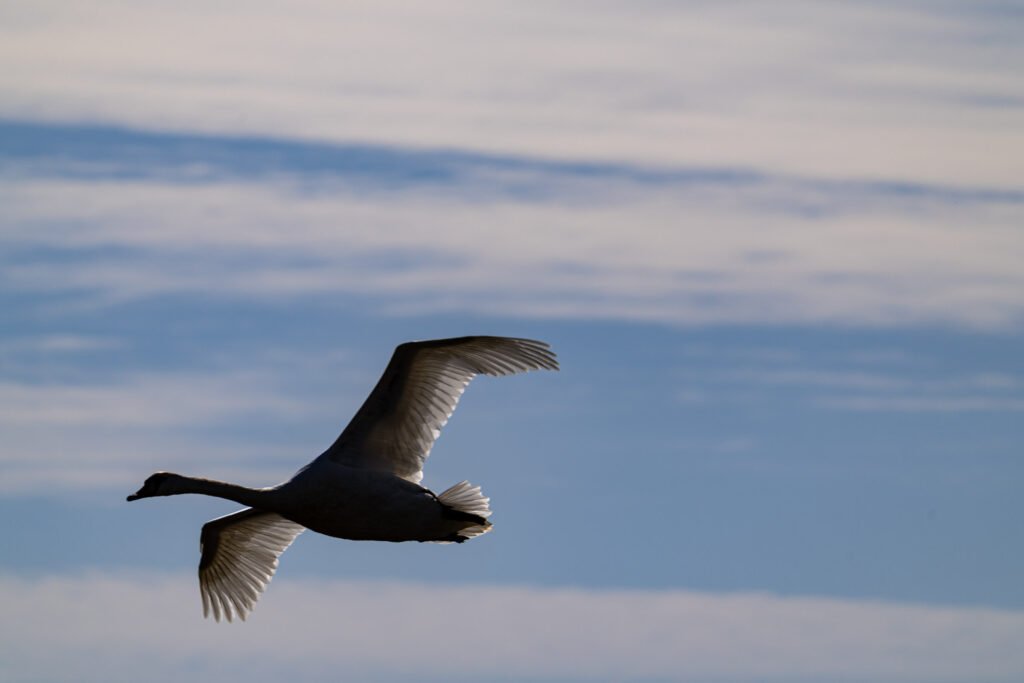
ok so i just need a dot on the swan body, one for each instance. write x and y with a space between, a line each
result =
365 487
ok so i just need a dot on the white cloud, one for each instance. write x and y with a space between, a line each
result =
107 432
145 400
57 344
121 627
897 389
669 254
925 403
904 90
855 380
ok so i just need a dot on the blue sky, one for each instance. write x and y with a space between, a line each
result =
777 249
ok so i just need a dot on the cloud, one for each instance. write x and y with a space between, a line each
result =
901 90
890 392
769 250
152 400
902 387
56 344
925 404
102 432
107 627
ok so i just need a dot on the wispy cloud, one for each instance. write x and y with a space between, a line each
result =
102 432
926 404
859 390
903 90
899 386
68 343
106 627
678 249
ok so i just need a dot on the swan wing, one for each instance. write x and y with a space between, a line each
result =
239 557
396 427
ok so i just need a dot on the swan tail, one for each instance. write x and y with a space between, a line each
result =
465 502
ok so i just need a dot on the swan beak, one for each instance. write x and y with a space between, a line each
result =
134 496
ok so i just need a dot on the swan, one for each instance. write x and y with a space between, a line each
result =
365 487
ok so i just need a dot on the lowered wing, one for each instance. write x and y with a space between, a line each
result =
239 557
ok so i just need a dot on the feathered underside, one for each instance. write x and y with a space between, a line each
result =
239 558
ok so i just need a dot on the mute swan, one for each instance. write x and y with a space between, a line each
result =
366 485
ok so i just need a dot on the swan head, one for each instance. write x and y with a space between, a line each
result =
156 485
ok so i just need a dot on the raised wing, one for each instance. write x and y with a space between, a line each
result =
396 427
239 557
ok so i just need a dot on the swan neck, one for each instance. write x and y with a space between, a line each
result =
220 489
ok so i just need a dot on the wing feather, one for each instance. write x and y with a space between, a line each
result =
239 557
397 425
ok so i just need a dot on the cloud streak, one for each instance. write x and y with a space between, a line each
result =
102 433
860 385
714 250
897 90
105 627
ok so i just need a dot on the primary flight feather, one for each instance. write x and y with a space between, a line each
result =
366 485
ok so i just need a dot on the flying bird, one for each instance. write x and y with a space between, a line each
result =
366 486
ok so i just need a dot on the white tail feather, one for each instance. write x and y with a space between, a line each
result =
466 498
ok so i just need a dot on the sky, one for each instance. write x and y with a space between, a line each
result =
776 247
